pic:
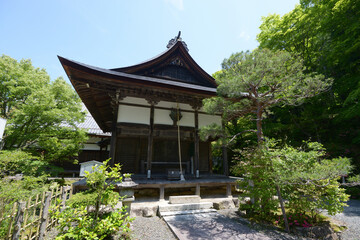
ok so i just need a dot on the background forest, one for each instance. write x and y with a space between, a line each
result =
326 35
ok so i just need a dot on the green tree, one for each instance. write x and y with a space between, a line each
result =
18 80
252 82
301 175
42 114
326 34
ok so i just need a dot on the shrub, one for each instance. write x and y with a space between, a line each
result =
76 221
301 175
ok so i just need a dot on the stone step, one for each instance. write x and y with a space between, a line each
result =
184 199
174 213
184 207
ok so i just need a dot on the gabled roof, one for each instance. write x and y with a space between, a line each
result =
173 75
121 77
178 56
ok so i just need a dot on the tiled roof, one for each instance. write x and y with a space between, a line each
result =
144 79
89 124
92 127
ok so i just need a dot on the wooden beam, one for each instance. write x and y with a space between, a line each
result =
113 136
150 139
225 156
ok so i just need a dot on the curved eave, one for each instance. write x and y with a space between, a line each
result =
97 100
121 77
161 57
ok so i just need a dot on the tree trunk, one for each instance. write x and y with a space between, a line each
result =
259 132
282 208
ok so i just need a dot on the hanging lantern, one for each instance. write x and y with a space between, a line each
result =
175 114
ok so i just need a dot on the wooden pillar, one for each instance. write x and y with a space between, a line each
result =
197 190
44 216
196 144
210 158
225 156
162 193
225 161
19 220
150 142
228 190
113 136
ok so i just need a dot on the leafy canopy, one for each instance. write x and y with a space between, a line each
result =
326 34
42 114
251 82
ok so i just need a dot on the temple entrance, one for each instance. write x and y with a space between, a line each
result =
166 155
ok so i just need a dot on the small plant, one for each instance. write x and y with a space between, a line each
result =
83 218
295 220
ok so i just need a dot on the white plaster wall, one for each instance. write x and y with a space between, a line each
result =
174 105
131 114
162 117
205 119
93 140
91 146
188 119
135 100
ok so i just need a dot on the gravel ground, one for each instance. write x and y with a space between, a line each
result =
267 231
151 228
154 228
351 217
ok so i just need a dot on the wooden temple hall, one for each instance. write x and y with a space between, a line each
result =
150 108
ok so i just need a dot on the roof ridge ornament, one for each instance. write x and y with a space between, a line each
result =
174 40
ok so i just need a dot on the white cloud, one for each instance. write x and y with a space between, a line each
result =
244 35
178 4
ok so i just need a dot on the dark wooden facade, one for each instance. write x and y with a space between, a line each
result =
135 103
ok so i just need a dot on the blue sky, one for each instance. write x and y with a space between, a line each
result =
120 33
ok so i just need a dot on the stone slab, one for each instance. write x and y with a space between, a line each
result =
184 199
184 207
224 204
164 214
210 226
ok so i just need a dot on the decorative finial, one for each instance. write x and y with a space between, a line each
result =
174 40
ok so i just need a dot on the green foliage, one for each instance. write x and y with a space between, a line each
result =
17 161
326 34
354 179
82 199
354 192
252 82
18 80
78 222
42 115
12 191
307 180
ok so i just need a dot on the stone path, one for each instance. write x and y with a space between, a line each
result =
351 217
210 226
